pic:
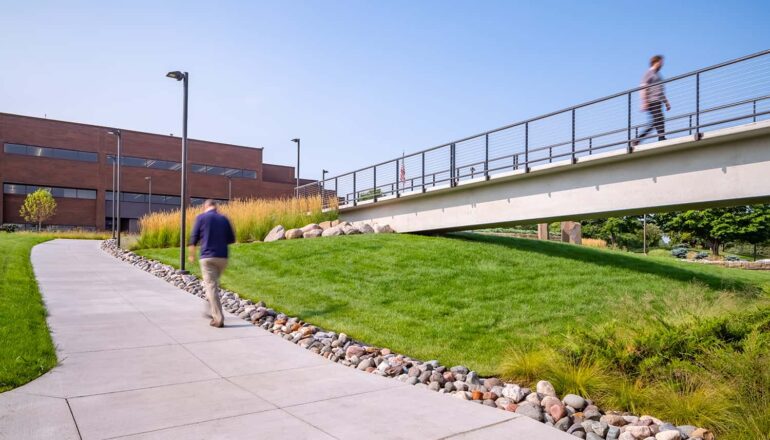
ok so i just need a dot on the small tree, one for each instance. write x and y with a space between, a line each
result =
38 207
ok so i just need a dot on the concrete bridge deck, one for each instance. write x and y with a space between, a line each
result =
138 361
723 167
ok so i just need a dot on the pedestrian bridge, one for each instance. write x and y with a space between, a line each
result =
581 162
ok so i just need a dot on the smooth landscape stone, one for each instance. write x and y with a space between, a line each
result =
613 420
639 432
613 432
544 387
383 229
310 227
530 410
563 424
275 234
366 228
292 234
548 401
350 230
668 435
332 232
575 401
514 393
313 233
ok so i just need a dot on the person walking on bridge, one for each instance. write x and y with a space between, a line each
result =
214 233
653 98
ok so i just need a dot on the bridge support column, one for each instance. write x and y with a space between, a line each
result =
571 232
542 231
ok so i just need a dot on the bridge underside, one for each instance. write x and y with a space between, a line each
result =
725 167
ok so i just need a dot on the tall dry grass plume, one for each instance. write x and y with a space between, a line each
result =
252 219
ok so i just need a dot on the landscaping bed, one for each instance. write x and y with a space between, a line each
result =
370 288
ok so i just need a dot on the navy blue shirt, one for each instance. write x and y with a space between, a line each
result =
214 233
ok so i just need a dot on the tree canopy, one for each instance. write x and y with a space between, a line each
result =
38 207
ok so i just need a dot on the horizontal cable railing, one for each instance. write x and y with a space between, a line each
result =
727 94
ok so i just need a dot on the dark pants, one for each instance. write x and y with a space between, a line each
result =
655 109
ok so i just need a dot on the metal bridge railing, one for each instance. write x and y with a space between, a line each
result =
730 93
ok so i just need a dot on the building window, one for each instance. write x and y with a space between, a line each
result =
54 153
223 171
157 199
194 201
158 164
140 162
67 193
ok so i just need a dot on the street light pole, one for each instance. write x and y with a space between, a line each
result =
185 78
114 171
116 196
149 198
296 190
229 188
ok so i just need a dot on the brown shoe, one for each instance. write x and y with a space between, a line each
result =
216 324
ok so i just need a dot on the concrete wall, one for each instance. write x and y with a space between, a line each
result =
725 167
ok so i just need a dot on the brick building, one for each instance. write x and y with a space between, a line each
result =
76 162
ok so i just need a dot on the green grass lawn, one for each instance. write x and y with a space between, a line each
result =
26 350
466 298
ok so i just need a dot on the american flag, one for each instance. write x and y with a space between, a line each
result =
402 174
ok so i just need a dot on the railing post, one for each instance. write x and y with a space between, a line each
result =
628 147
355 194
423 172
486 152
697 105
573 136
374 189
336 190
526 147
452 172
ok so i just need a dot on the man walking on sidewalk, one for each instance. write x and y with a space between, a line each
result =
653 97
214 232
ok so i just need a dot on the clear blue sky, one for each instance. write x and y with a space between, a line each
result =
358 81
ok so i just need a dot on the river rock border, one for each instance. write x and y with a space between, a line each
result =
572 414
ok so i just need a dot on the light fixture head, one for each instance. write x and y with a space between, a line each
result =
114 132
177 75
295 140
148 178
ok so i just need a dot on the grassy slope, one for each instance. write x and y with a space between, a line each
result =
465 298
26 350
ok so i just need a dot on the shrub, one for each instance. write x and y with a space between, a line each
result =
701 255
9 228
679 252
710 371
252 219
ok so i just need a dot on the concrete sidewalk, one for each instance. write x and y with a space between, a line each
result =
137 360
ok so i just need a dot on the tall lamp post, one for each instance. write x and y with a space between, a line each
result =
149 197
114 171
185 78
116 193
229 188
323 185
296 190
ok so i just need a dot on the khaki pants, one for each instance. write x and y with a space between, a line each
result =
212 269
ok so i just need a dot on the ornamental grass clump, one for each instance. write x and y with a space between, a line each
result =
252 219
